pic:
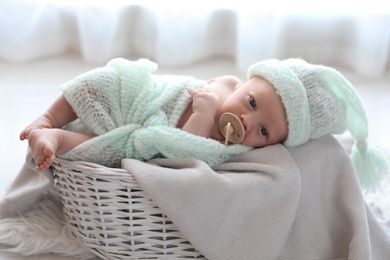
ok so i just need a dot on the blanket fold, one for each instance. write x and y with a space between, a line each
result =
240 210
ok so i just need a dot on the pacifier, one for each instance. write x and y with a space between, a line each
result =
231 128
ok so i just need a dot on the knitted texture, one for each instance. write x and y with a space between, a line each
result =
312 109
318 100
134 114
293 94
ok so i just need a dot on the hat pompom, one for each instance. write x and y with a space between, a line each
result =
370 163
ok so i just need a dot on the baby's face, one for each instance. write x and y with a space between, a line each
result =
261 112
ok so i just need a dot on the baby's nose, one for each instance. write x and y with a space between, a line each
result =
247 122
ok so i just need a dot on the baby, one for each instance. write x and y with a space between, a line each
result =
255 102
132 112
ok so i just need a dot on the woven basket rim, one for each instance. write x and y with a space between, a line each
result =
94 169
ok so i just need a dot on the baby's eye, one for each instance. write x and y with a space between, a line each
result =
264 131
252 102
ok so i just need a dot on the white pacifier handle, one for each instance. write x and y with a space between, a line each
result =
231 128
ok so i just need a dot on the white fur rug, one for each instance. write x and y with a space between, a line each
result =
41 230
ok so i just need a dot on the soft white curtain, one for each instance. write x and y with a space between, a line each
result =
179 33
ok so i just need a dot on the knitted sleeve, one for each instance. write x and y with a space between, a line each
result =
175 143
105 98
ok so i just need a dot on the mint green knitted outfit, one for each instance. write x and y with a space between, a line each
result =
134 114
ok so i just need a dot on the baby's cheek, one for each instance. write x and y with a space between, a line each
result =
251 140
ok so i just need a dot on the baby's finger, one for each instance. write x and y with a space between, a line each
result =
190 90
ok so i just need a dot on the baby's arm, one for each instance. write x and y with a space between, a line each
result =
205 106
58 115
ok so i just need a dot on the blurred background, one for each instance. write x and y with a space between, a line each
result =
45 43
181 33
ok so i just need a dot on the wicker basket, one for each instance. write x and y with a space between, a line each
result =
111 216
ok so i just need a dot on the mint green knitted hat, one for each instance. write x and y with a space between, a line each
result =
319 101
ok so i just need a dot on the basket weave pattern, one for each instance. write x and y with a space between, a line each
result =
113 218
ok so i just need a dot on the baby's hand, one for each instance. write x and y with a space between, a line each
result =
204 101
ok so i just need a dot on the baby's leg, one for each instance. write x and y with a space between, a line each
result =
46 143
58 115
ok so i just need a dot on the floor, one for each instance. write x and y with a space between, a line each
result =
28 89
